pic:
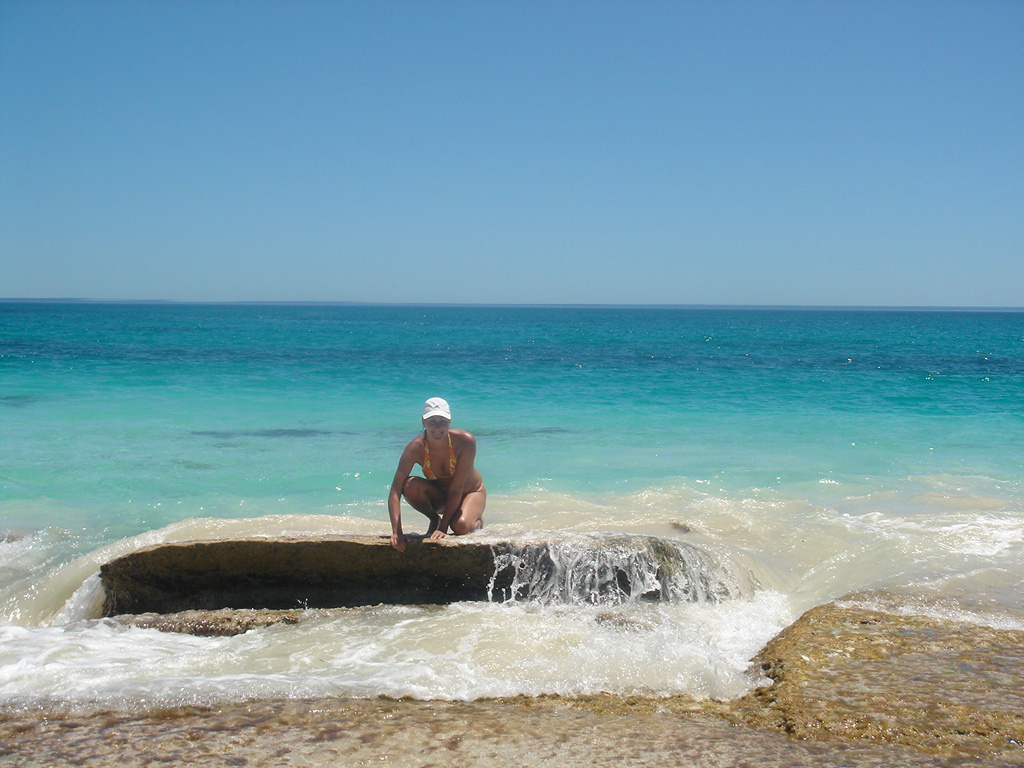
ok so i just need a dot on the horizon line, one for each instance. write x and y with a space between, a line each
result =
525 305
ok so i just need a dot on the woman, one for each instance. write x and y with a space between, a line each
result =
451 492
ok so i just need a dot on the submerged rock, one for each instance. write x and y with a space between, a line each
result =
947 688
215 623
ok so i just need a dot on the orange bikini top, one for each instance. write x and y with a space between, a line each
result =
428 471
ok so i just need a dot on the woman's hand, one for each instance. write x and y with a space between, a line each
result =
438 534
398 541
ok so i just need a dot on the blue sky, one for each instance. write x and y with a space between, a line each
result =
810 153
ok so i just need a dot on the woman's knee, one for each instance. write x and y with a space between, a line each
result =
461 527
415 488
421 495
471 514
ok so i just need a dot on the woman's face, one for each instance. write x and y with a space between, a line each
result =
437 427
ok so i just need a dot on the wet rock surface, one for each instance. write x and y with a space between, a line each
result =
286 574
350 571
945 688
852 685
549 732
215 623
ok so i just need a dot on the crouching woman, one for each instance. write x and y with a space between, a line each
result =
451 493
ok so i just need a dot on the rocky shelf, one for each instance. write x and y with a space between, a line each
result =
853 671
847 671
283 574
333 572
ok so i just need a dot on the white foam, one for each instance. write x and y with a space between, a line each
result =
461 651
986 536
788 553
940 609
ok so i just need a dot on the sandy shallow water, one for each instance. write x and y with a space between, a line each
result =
495 733
851 686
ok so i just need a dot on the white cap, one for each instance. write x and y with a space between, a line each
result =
435 406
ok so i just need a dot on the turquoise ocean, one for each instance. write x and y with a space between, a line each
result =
809 454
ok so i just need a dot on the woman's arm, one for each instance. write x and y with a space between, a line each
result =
405 464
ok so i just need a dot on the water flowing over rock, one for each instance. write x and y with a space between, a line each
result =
852 688
340 572
896 687
607 570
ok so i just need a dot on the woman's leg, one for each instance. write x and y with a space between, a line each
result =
426 498
470 516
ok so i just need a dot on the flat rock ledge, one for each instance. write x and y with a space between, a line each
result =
841 671
330 572
290 574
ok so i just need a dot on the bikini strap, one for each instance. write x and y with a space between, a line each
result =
427 471
452 461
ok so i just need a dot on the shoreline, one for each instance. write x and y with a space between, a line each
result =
852 686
